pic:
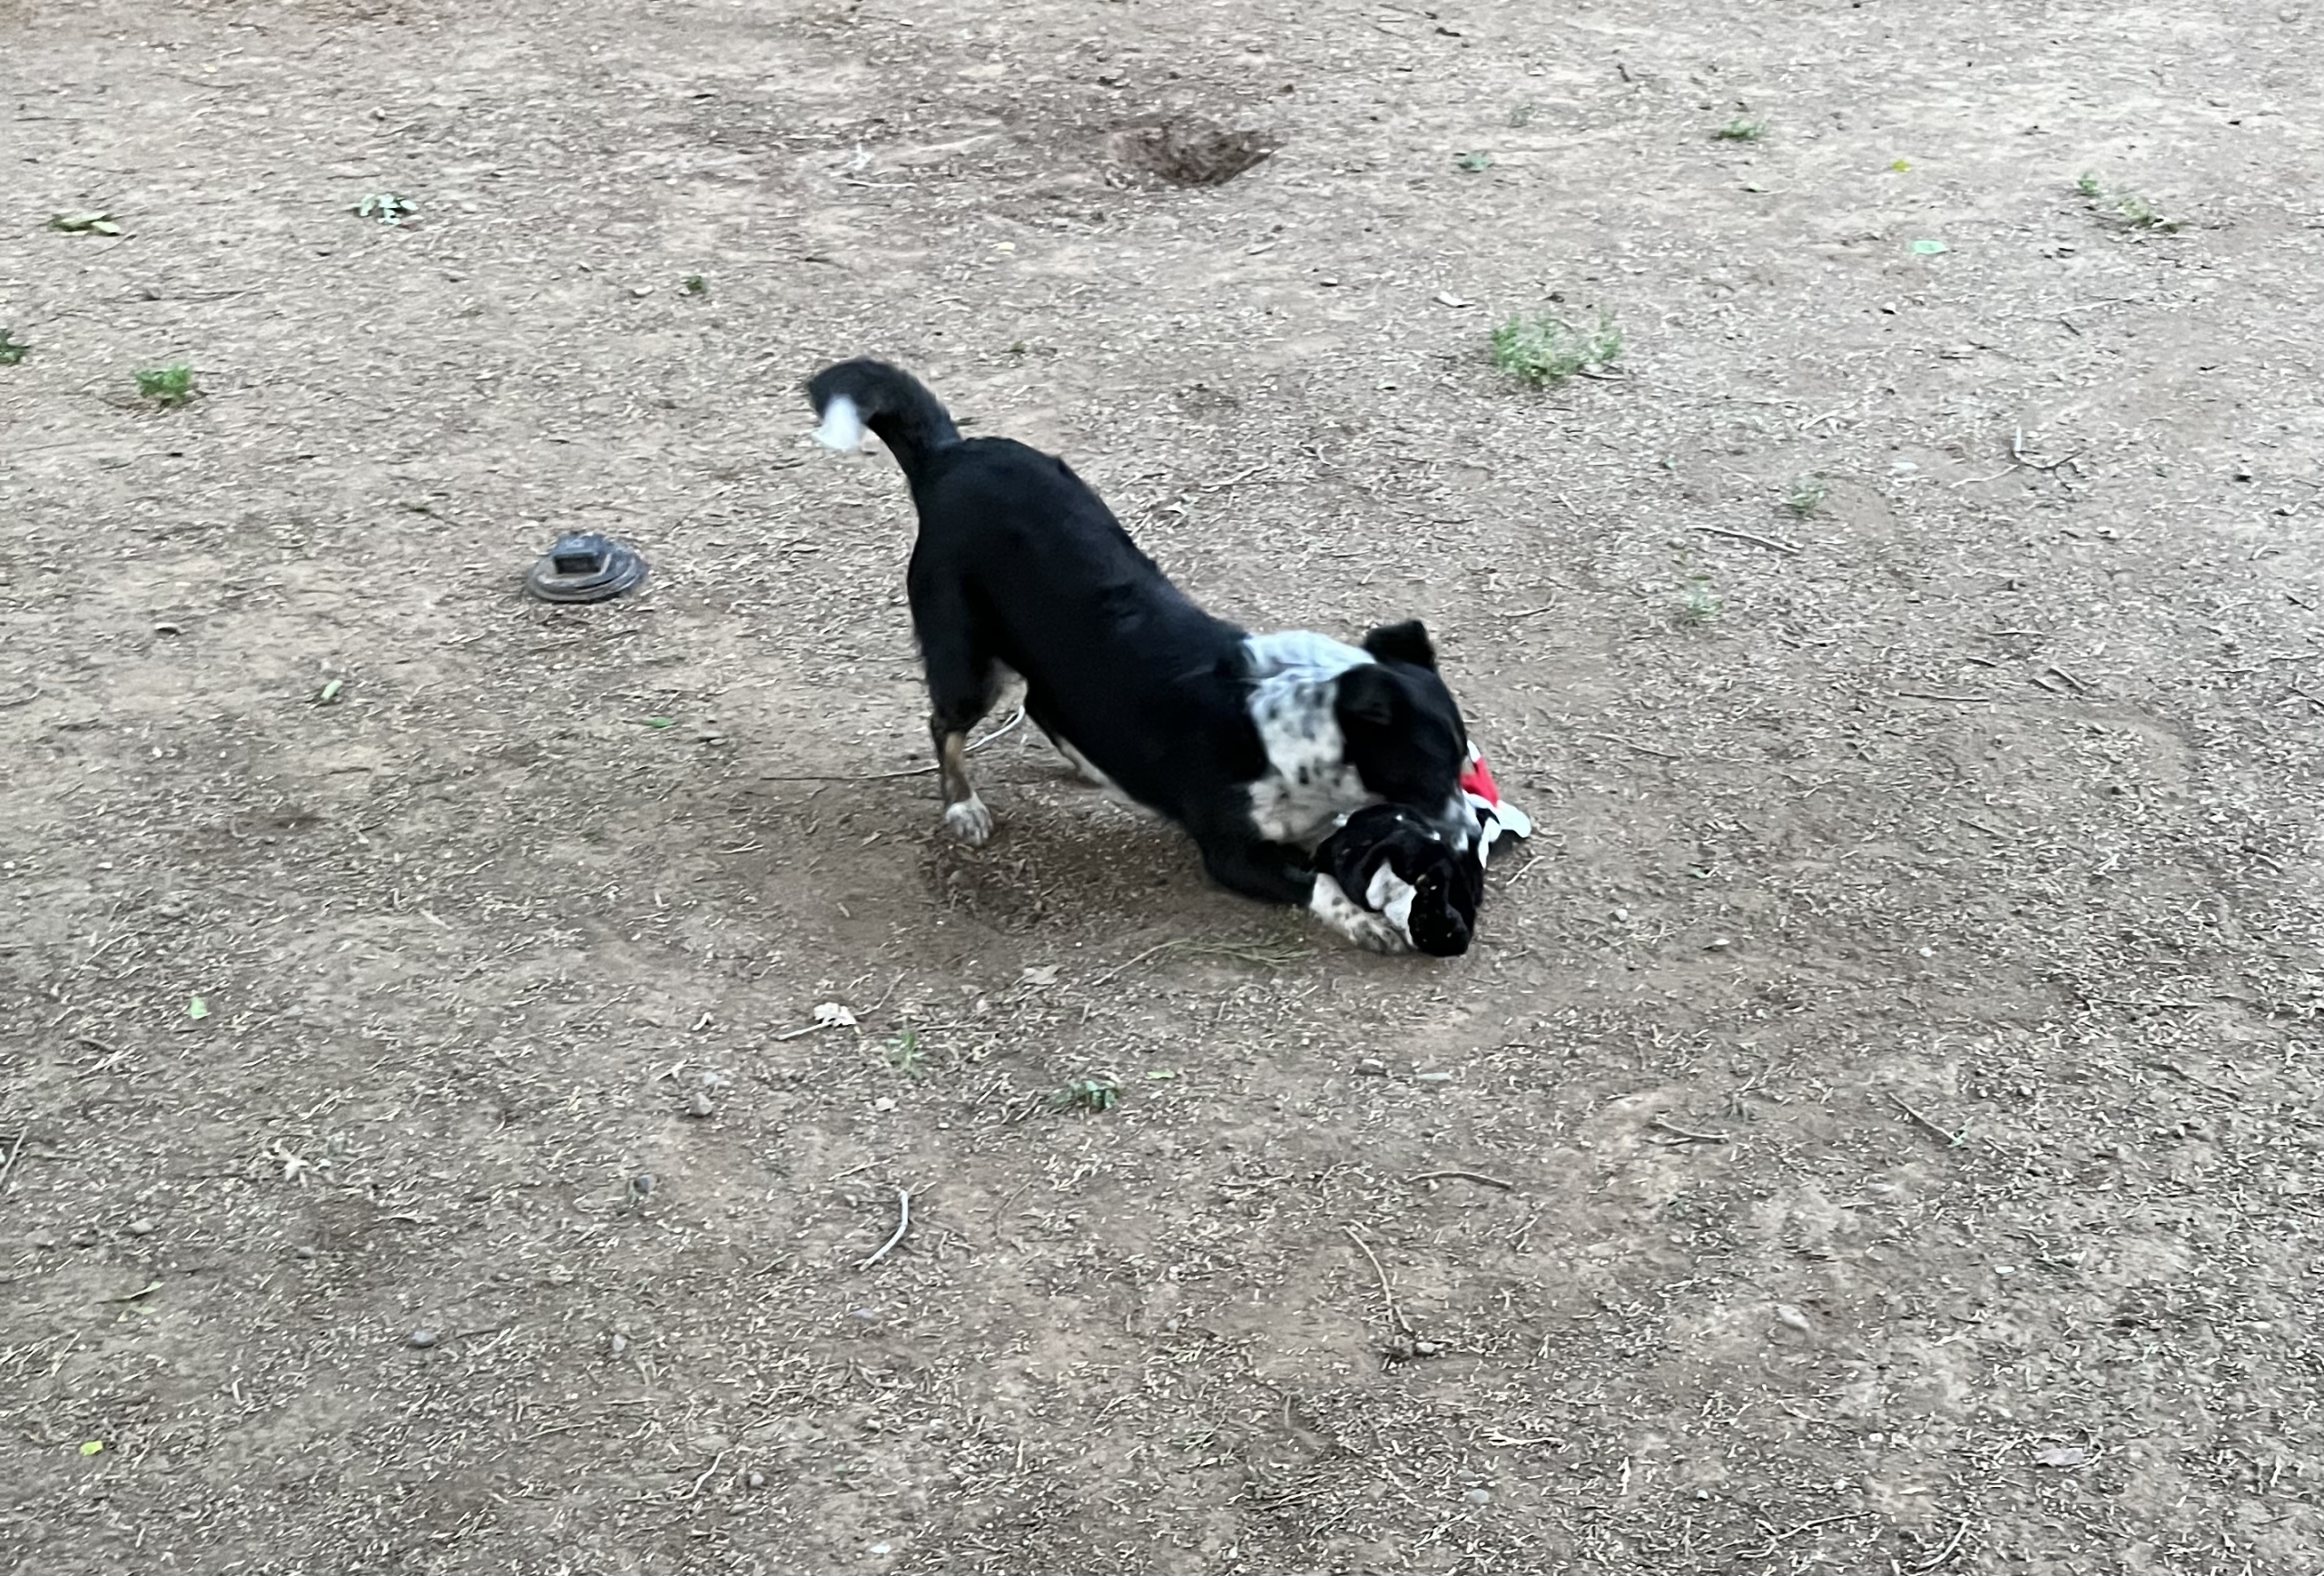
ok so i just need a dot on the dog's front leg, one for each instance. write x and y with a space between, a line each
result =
1372 933
1275 873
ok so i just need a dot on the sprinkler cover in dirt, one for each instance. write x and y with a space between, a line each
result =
584 568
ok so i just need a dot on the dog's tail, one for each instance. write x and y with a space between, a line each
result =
854 394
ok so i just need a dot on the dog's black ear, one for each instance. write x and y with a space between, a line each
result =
1405 642
1370 694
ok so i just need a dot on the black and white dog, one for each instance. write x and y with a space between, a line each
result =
1256 744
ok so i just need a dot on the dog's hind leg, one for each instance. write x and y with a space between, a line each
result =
965 815
963 681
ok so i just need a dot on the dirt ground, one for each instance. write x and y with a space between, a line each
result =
1877 1132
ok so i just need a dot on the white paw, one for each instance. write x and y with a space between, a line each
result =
968 821
1372 933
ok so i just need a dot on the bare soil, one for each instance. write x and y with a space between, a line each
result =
1887 1084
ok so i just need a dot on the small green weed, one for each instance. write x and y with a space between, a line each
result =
1699 602
1522 114
906 1055
2131 209
695 285
1474 164
1806 496
1545 350
1087 1094
167 387
84 223
1742 129
387 207
12 349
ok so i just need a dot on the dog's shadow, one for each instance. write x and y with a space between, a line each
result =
1068 857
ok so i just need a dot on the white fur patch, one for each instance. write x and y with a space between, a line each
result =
1391 896
1372 933
968 821
842 427
1308 782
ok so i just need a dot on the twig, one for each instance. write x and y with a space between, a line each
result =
998 734
1633 745
1942 1555
1666 1125
1719 394
9 1165
903 1219
2017 452
1462 1177
715 1462
1264 956
1747 536
1395 1315
1952 1140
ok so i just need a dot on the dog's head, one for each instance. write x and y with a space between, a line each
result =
1403 733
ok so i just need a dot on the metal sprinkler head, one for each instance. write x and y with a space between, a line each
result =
584 567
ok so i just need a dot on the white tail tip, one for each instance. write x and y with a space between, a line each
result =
842 427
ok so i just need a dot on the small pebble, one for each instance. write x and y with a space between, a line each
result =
757 1480
1792 1318
1426 1348
700 1105
1432 1078
619 1345
141 1226
1478 1496
642 1185
1373 1067
422 1338
302 1251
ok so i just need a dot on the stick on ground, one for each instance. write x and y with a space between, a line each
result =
1747 536
1688 1135
1952 1140
903 1219
1395 1313
1462 1177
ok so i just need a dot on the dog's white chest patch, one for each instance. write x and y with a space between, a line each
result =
1308 782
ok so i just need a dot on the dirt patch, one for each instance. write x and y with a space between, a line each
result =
1892 1066
1180 154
